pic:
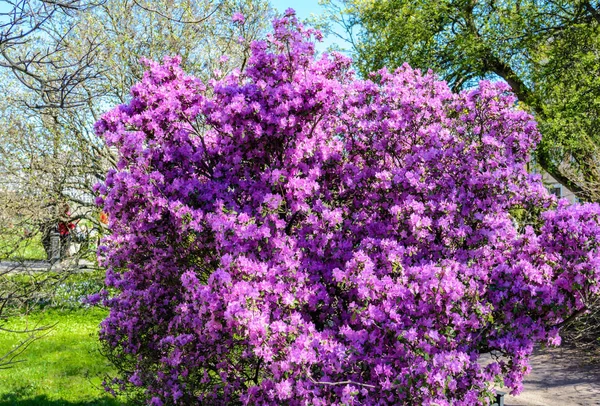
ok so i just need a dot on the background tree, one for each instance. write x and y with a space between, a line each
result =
31 42
121 32
546 51
62 63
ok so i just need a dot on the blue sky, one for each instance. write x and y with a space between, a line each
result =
304 9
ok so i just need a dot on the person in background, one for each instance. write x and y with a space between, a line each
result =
58 222
65 230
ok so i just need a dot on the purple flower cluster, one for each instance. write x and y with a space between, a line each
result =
292 234
238 18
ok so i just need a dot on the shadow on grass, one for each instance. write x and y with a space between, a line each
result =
42 400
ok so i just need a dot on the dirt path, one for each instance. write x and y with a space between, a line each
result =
70 264
559 377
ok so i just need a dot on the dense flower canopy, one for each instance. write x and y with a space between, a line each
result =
292 234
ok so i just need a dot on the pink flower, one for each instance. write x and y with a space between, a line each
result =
295 234
238 18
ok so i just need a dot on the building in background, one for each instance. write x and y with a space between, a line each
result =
556 188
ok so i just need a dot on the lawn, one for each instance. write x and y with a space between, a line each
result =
62 368
15 247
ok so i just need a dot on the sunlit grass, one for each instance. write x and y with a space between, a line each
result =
62 368
16 247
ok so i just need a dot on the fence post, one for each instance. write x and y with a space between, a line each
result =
499 399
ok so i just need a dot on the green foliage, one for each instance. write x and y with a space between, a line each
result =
568 87
62 368
460 40
72 292
54 290
16 247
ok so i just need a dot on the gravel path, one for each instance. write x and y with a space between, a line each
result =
559 377
71 264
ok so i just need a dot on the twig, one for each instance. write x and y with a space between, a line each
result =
570 318
180 20
366 385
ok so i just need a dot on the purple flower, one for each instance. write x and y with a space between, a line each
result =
292 233
238 18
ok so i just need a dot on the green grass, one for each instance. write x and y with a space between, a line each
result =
15 247
55 290
62 368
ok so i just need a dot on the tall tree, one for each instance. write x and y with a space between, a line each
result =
79 59
547 51
62 63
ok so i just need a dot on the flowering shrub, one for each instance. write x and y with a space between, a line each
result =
292 234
